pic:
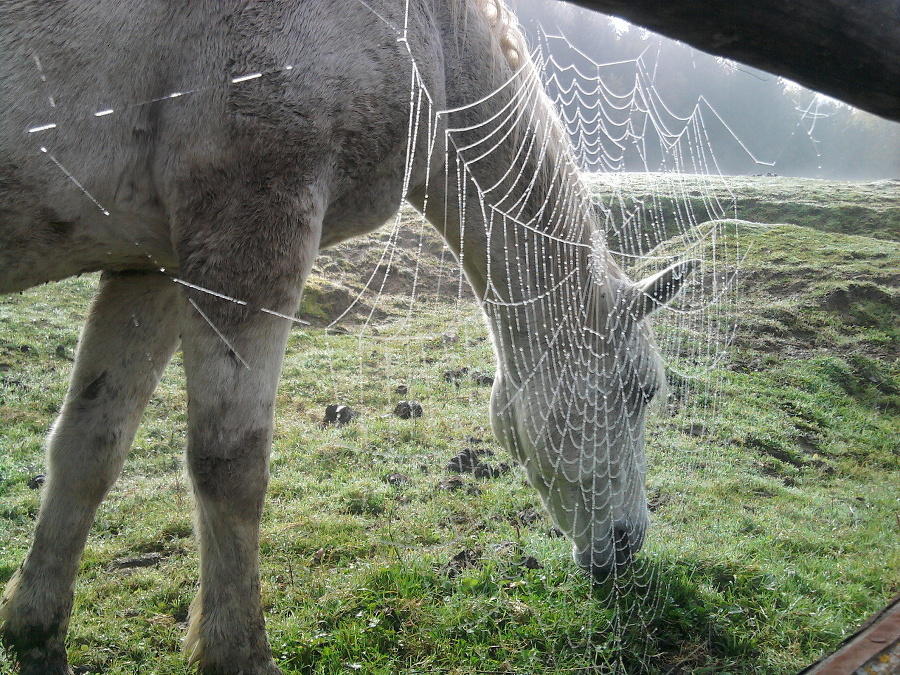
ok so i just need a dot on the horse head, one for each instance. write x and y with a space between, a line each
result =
571 405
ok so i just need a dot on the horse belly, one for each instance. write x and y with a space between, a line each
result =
364 208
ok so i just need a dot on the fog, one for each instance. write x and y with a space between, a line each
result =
755 122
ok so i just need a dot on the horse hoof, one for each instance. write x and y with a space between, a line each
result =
268 669
35 652
36 662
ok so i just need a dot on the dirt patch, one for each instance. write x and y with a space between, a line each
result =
132 563
469 460
847 299
774 451
464 560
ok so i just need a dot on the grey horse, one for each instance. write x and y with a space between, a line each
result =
199 154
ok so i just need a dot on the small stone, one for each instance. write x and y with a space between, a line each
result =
37 481
408 409
339 415
401 390
396 479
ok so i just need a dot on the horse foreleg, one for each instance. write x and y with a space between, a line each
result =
232 373
233 353
231 397
129 338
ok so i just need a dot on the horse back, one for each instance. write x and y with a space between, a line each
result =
113 108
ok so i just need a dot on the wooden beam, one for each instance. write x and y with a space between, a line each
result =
848 49
879 635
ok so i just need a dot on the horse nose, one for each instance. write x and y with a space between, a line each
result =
611 555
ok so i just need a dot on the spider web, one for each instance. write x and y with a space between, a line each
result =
680 208
647 224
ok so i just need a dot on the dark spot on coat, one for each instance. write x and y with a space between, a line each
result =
61 228
57 227
92 391
234 470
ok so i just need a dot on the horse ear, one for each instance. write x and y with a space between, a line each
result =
658 290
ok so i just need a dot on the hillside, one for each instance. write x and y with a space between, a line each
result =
773 481
408 253
870 209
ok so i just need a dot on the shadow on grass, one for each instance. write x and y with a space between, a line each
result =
661 618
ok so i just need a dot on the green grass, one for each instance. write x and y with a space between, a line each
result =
775 530
870 209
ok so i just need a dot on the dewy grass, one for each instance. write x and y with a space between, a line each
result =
775 516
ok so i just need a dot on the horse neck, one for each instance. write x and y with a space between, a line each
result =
507 197
514 208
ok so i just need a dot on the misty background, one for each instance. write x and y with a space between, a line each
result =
746 120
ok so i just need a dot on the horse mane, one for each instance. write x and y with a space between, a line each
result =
506 30
513 45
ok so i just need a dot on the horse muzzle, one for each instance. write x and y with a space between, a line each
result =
612 553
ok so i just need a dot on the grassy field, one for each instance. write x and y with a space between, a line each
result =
776 518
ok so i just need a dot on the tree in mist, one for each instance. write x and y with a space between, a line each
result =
755 122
